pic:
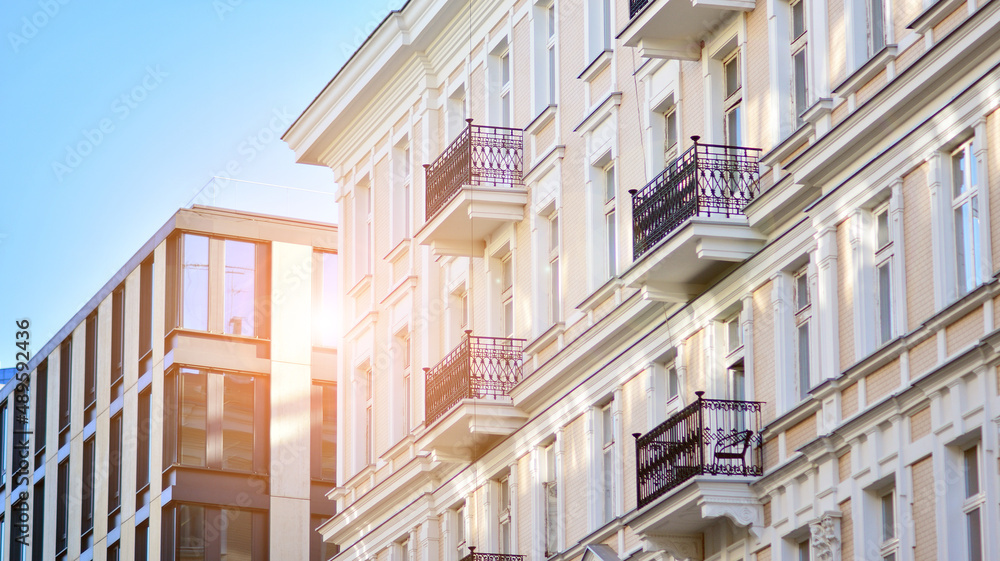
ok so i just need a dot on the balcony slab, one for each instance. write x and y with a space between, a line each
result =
471 427
696 505
683 264
463 225
673 29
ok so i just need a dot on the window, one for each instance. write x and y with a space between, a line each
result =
324 431
319 550
972 506
40 402
407 360
326 320
212 533
115 472
194 282
598 33
876 26
550 48
550 488
142 542
803 315
90 371
65 382
732 80
884 254
234 294
87 496
117 342
142 446
114 552
607 463
369 419
402 180
885 514
38 521
507 295
362 227
503 503
3 449
500 87
965 208
62 510
610 224
455 110
234 439
800 88
670 135
555 294
146 307
802 551
458 518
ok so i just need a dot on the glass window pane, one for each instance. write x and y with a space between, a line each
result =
329 433
971 459
798 19
237 422
877 26
192 417
958 185
803 347
329 317
612 235
190 533
507 274
195 282
671 129
734 335
888 517
799 70
609 184
552 75
801 292
608 426
884 302
236 535
882 228
672 389
554 298
732 75
975 535
733 133
239 287
609 500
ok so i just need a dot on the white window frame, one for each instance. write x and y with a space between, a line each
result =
402 174
460 524
607 486
507 325
550 500
974 501
885 250
736 383
600 28
671 146
554 277
803 325
500 85
609 192
875 26
888 527
732 94
798 50
970 177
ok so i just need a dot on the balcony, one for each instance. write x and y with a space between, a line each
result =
673 29
473 188
688 225
466 402
697 466
473 556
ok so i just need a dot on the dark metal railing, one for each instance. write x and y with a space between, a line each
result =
706 180
481 155
636 6
708 437
473 556
480 367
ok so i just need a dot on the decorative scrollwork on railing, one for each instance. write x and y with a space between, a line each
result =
481 155
636 6
708 437
476 556
479 367
706 180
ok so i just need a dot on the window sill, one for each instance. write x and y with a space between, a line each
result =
546 116
402 248
600 295
934 15
599 113
363 284
790 144
547 337
602 61
868 70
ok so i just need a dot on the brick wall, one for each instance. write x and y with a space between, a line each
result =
923 357
763 351
849 401
576 476
838 42
882 382
845 294
920 424
924 526
844 466
966 330
993 174
756 94
846 531
799 435
918 258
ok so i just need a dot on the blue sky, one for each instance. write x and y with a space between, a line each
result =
115 114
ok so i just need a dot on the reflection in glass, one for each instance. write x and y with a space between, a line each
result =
329 433
328 311
190 532
192 416
237 541
195 278
239 288
237 423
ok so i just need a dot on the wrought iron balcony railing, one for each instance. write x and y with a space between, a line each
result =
708 437
480 367
481 155
636 6
473 556
706 180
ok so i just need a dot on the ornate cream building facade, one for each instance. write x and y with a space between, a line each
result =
667 280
